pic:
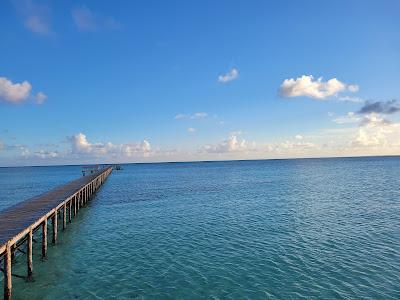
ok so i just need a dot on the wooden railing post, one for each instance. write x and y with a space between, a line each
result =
7 273
44 238
64 215
29 254
54 223
70 210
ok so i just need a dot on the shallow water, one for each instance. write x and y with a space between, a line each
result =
278 229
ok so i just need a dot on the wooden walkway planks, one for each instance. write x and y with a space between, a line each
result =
16 218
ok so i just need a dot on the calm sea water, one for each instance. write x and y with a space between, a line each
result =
278 229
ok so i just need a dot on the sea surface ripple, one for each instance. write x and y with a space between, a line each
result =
274 229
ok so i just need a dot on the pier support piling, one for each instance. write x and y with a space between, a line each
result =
13 249
75 202
29 254
44 239
70 211
54 223
64 216
7 273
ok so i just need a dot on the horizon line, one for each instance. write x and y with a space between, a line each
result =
199 161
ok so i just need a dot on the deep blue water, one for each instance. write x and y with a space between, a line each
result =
275 229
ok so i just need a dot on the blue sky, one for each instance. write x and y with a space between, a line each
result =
127 81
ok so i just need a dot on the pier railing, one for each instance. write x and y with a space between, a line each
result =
19 222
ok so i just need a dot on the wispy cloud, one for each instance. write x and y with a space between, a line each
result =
231 75
44 154
191 130
307 86
348 98
197 115
87 20
18 92
350 117
40 98
36 16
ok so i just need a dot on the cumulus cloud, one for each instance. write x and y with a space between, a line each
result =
197 115
14 92
232 144
87 20
18 92
81 146
374 120
231 75
191 130
36 16
381 107
307 86
377 132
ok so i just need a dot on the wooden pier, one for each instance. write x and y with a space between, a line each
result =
19 222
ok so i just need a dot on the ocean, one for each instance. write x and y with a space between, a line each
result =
267 229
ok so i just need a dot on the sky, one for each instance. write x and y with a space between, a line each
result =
148 81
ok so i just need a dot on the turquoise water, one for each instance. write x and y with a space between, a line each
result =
277 229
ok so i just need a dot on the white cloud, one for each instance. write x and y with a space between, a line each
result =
197 115
36 16
191 130
40 98
353 99
298 145
231 75
18 92
350 117
14 92
43 154
318 89
81 146
353 88
232 144
181 116
87 20
299 137
377 132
